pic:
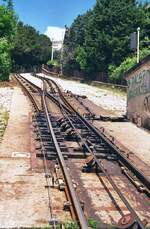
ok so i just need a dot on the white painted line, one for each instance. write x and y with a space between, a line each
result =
21 154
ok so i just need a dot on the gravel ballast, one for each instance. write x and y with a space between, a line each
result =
5 104
106 98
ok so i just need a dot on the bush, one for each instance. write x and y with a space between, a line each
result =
71 225
92 223
118 72
81 56
5 60
54 63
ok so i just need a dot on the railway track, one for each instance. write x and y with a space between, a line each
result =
101 156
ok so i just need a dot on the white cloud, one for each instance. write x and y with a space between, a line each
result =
55 33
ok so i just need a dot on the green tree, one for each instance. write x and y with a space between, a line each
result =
10 5
117 73
101 37
74 39
145 41
8 22
5 59
107 34
31 48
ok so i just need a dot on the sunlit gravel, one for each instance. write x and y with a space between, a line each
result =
102 97
5 98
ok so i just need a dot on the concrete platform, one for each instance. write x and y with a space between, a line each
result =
24 198
135 139
18 126
132 138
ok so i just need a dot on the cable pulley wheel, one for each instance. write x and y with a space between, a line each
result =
126 221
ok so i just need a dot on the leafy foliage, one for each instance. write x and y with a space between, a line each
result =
8 22
52 63
100 38
31 48
5 60
92 223
81 57
57 55
21 46
71 225
74 39
117 73
7 34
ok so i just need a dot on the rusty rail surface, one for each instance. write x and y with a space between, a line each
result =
18 79
112 147
77 206
74 197
71 190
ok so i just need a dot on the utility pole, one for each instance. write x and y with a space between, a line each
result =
61 55
61 60
138 44
135 43
52 53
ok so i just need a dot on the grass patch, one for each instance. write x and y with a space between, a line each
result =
71 225
93 223
110 88
118 91
4 116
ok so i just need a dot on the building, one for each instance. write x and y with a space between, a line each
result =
138 93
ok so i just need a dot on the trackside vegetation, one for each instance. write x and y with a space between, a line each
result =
97 42
31 49
116 73
22 48
96 45
8 23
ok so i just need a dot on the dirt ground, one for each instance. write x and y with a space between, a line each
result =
7 84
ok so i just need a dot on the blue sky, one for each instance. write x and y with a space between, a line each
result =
49 15
44 13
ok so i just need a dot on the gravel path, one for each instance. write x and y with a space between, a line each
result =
32 79
5 104
5 98
105 98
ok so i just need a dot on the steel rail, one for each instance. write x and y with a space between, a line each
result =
125 201
127 204
44 157
74 198
28 94
31 83
113 148
75 201
125 161
64 111
99 164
